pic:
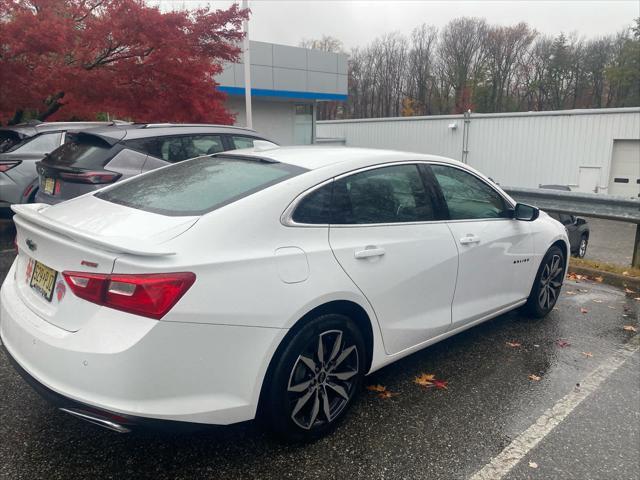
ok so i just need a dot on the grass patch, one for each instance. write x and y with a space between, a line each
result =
606 267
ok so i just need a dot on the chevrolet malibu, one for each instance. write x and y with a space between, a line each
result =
264 284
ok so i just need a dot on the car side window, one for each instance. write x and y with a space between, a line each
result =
315 207
43 143
392 194
242 142
467 196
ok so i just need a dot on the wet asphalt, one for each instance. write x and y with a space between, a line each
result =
418 433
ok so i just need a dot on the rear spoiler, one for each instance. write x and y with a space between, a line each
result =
32 213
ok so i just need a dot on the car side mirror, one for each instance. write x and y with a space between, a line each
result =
580 221
526 213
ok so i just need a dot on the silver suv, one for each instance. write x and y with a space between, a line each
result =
92 159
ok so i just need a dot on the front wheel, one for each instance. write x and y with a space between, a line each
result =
547 284
315 378
582 248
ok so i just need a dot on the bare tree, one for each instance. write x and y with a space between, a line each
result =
463 55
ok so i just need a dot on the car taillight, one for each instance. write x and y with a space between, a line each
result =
148 295
8 165
89 177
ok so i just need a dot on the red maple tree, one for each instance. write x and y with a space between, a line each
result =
75 59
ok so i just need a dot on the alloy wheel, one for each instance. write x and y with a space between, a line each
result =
323 379
550 282
582 250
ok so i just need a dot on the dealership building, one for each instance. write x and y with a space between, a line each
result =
286 84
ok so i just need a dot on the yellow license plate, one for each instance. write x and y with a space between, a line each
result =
49 185
43 280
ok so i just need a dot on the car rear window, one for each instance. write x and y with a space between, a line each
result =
198 186
82 151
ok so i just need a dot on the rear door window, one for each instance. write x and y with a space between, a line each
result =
394 194
199 185
241 142
182 147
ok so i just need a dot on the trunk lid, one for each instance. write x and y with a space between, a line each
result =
86 234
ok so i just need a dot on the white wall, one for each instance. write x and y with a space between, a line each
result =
524 149
272 119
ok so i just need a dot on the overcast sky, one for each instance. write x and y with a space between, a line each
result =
358 22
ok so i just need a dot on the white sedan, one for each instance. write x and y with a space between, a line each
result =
264 283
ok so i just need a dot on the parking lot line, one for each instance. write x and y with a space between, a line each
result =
506 460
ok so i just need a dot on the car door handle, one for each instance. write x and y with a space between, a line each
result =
369 252
468 239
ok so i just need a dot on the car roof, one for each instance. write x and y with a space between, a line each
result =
312 157
146 130
32 128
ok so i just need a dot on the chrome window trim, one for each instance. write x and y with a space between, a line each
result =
287 216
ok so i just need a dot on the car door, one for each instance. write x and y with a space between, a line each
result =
384 232
495 251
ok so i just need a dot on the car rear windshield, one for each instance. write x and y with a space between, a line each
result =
81 151
198 186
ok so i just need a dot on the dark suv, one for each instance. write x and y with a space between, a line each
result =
22 146
94 158
577 227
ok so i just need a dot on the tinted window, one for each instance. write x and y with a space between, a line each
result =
384 195
315 207
82 151
198 186
8 139
43 143
178 148
467 196
242 142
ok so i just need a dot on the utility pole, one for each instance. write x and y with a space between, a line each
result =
247 68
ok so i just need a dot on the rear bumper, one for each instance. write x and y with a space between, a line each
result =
154 370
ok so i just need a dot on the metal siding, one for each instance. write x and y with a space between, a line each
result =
524 149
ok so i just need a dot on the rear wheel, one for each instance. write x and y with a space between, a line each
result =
315 378
547 284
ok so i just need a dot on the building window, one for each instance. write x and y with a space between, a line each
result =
303 124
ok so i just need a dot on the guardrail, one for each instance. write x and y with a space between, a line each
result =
608 207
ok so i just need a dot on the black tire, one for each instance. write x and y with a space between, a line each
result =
582 247
547 284
300 403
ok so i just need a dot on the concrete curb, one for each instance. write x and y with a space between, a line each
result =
610 278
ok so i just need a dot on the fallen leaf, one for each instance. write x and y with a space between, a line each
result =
440 384
534 377
597 301
424 379
628 290
630 328
625 273
637 298
533 465
587 354
387 394
570 292
583 290
584 310
599 279
376 388
563 343
611 307
514 344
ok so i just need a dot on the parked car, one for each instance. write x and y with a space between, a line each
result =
91 160
265 283
22 146
577 227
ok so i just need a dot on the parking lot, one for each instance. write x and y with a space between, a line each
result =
490 405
